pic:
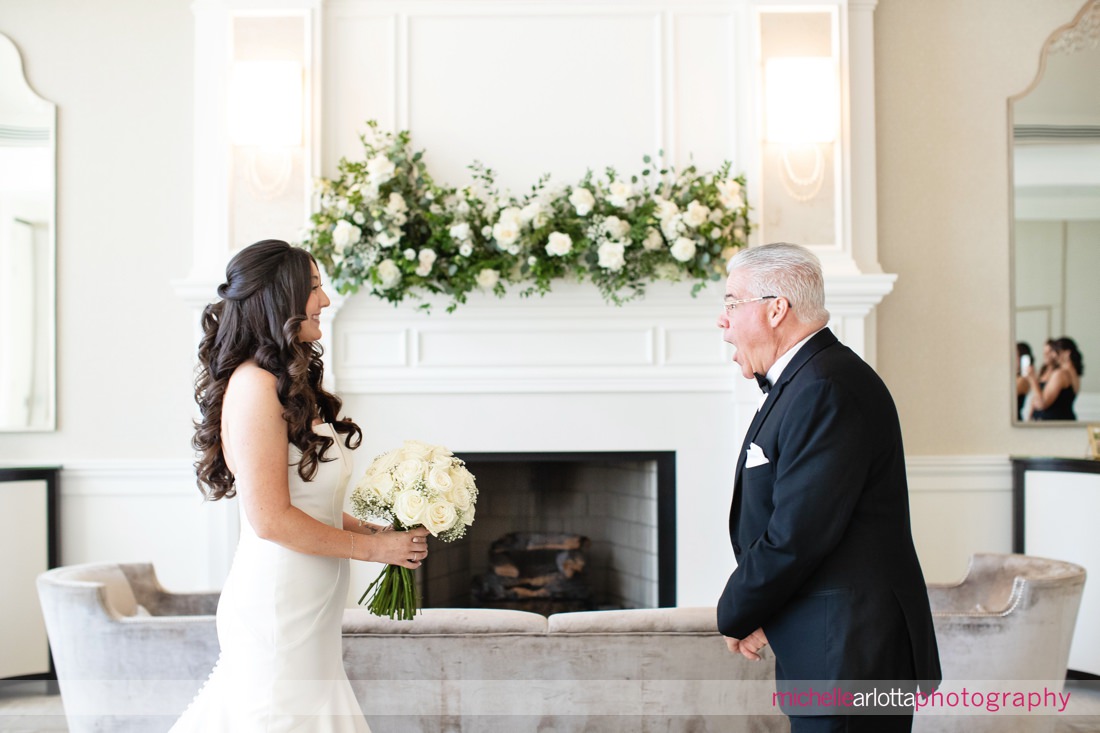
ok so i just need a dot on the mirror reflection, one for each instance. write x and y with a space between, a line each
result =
27 125
1056 257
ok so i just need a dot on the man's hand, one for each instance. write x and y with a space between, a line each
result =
749 647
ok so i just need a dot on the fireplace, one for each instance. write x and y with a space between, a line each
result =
623 502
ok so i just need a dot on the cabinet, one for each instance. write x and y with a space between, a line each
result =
1056 504
29 524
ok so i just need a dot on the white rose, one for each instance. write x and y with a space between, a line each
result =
439 479
423 270
388 239
618 193
653 240
381 486
466 249
409 508
427 258
389 273
715 216
460 497
359 218
582 200
410 254
683 249
380 170
666 209
506 232
616 227
729 194
672 226
611 256
409 471
487 279
696 215
396 204
415 449
486 231
463 208
440 516
460 232
559 244
345 234
387 461
715 233
468 516
739 234
512 214
530 212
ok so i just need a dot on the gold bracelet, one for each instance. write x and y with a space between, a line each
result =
352 555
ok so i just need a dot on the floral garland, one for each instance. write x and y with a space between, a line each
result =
384 224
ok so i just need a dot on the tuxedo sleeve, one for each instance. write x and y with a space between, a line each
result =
821 468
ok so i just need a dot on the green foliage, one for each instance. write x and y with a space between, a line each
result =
384 225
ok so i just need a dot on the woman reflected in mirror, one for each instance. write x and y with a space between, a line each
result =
1024 360
1053 393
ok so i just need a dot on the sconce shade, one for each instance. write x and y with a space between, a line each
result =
801 100
265 103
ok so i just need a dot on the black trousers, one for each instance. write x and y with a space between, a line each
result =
852 723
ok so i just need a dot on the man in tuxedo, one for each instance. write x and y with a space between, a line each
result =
827 573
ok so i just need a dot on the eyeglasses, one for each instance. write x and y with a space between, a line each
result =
731 305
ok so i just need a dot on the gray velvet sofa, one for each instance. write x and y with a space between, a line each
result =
130 656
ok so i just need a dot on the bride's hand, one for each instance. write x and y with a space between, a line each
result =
407 549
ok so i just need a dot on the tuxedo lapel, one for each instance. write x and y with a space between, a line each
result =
821 340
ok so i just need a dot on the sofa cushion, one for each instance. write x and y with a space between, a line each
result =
450 621
636 621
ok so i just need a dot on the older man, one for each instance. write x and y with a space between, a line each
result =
826 569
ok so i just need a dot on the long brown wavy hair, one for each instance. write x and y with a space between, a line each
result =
262 306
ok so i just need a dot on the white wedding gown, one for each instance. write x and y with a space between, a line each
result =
279 626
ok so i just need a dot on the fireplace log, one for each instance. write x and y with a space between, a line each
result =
534 563
491 587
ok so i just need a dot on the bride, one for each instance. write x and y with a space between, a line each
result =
272 436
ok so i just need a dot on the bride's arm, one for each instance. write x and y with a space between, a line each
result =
255 442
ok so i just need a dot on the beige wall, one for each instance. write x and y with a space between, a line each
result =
944 70
120 75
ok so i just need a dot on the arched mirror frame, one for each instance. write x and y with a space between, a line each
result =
1082 21
28 133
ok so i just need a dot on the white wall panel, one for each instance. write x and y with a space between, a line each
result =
959 505
533 93
705 94
360 82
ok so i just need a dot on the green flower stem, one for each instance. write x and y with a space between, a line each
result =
393 594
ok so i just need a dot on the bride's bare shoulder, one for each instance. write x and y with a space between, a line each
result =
250 383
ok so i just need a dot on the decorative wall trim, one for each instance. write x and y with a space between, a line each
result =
949 474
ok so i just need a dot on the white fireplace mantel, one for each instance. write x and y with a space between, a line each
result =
567 341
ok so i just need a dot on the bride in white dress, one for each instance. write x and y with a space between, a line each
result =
270 434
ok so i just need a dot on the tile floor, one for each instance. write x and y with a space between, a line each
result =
25 707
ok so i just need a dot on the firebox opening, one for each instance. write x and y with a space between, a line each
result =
623 503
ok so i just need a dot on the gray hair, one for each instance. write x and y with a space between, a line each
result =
787 270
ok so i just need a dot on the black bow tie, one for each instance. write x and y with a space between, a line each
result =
765 385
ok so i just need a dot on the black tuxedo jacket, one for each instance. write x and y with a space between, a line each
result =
821 534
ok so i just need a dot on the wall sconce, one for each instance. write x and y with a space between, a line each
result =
801 111
265 117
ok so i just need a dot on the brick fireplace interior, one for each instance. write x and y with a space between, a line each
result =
623 502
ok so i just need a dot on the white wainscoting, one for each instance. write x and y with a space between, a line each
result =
146 511
960 505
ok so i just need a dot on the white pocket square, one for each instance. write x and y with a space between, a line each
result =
754 456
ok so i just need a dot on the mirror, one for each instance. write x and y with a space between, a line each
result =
27 230
1055 140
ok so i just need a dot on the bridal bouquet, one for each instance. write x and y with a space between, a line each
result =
411 486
